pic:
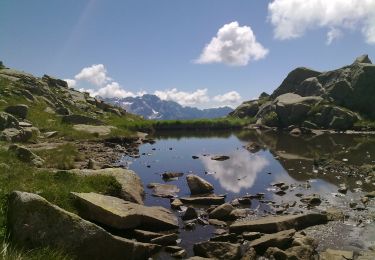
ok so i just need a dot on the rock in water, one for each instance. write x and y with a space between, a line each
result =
33 222
220 158
274 224
222 212
197 185
131 185
18 110
218 250
163 190
120 214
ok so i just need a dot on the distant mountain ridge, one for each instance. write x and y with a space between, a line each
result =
152 107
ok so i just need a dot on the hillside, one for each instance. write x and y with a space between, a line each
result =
340 99
152 107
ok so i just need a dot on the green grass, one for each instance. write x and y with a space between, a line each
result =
63 157
54 186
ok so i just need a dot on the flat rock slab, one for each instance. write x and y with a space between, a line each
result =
218 250
210 200
163 190
281 240
275 224
131 185
101 130
120 214
34 222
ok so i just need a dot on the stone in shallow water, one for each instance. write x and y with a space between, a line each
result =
220 158
222 212
209 200
218 250
120 214
198 185
163 190
274 224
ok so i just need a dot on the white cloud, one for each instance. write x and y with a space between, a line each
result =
95 74
184 98
233 45
71 83
332 35
292 18
229 97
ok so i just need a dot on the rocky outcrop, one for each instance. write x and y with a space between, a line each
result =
131 185
33 222
275 224
197 185
119 214
16 135
8 121
330 100
18 110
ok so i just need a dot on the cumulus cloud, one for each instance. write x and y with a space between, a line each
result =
229 97
184 98
71 83
233 45
292 18
95 74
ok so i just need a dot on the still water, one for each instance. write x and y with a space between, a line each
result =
281 158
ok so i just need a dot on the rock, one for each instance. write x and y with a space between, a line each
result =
300 252
232 237
33 223
220 158
274 224
197 185
176 204
295 132
246 109
281 240
222 212
165 240
99 130
370 194
250 254
180 254
195 157
51 134
8 121
53 82
173 249
331 254
293 80
210 200
275 253
239 213
26 155
163 190
145 236
119 214
216 222
18 110
253 147
172 175
16 135
335 214
81 120
363 59
251 235
218 250
190 213
311 200
131 184
92 164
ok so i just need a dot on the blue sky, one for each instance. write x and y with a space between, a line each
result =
153 46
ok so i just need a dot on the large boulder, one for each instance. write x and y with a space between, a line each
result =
81 119
275 224
246 109
222 212
33 222
293 80
282 240
218 250
120 214
20 110
8 121
16 135
131 185
334 117
197 185
26 155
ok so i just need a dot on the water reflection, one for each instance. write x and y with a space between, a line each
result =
237 173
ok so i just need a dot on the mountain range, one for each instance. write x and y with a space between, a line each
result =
152 107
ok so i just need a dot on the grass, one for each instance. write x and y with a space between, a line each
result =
54 186
62 157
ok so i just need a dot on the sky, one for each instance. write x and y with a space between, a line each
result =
201 53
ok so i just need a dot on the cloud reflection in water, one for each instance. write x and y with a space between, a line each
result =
239 172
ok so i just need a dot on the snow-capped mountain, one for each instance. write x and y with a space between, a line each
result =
152 107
